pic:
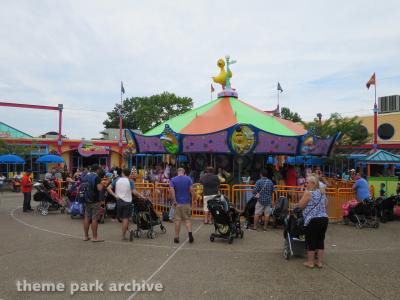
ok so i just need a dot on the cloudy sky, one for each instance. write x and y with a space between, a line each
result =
77 52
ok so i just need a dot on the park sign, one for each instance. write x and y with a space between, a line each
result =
89 149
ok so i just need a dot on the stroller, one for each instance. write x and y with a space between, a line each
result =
249 211
294 235
226 220
362 214
145 218
385 207
48 199
279 212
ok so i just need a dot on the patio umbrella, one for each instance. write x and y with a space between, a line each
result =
11 159
50 159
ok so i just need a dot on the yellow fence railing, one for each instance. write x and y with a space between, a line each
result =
239 195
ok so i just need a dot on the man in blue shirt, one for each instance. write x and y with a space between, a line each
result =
263 192
181 190
362 188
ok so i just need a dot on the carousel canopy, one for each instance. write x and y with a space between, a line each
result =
228 125
224 113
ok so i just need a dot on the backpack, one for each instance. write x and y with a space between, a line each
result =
88 188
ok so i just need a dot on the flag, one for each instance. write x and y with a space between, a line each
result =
279 88
122 88
371 81
212 88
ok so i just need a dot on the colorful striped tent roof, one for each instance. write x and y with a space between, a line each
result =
224 113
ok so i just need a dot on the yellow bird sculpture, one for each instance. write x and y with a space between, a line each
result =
221 78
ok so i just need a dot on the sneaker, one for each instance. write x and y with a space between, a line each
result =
176 240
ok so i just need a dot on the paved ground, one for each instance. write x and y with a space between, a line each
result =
359 264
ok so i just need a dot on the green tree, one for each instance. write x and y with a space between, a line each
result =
353 132
287 114
144 113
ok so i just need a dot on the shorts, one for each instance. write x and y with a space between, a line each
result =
92 210
262 209
205 200
124 209
182 212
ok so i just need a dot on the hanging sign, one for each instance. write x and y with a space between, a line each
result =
89 149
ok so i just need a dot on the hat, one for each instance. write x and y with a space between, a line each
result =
352 170
28 171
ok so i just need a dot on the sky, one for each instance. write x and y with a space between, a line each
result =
77 53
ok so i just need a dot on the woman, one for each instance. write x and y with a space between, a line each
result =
314 205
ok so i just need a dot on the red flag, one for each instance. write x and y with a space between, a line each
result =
371 81
212 88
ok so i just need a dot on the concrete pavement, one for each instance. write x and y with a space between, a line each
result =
360 264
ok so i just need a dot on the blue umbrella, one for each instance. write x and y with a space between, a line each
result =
11 159
50 159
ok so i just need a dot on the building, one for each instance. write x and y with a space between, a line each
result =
388 131
76 153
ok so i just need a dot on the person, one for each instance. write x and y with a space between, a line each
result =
263 192
2 179
16 182
382 191
50 175
58 174
291 176
94 186
210 183
26 188
314 205
124 188
181 187
361 187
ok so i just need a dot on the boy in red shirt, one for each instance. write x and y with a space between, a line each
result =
26 188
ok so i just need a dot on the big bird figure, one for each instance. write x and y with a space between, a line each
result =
221 78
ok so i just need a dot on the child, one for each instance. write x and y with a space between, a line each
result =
382 191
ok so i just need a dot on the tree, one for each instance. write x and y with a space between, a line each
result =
287 114
353 133
144 113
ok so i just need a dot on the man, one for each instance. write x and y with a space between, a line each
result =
124 188
26 188
91 186
361 187
2 179
263 192
181 187
210 183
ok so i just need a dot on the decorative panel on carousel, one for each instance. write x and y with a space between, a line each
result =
269 143
215 143
149 144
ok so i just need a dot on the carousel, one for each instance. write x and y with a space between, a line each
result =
229 133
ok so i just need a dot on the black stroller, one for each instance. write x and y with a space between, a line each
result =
279 211
294 235
249 211
145 218
385 207
226 220
364 214
48 199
